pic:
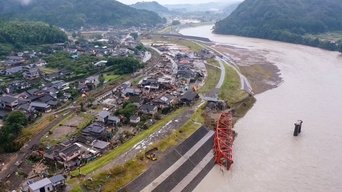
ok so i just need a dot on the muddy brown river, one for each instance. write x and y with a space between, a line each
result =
267 156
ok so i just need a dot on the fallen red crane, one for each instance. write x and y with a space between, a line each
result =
223 140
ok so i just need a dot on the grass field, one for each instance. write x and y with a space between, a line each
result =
109 77
48 70
231 88
211 80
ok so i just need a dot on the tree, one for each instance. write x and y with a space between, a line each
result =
127 110
175 22
124 65
101 79
13 125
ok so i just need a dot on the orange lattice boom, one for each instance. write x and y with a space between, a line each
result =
223 140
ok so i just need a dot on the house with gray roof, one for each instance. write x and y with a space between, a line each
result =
8 102
44 185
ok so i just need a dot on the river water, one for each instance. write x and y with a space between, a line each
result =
267 157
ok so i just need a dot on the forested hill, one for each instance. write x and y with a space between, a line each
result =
283 20
151 6
73 14
18 35
30 33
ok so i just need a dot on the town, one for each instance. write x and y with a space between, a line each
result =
94 110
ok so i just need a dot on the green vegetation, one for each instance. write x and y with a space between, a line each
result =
231 89
118 176
109 77
191 45
211 80
184 132
124 65
105 159
128 109
12 128
82 66
151 6
19 35
175 22
74 14
288 21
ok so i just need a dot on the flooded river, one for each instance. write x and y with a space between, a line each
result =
267 156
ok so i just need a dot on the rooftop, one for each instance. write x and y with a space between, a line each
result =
39 184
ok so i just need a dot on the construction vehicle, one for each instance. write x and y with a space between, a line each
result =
150 154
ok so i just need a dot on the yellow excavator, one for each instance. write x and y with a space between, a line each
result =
150 154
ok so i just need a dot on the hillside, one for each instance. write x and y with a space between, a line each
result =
283 20
78 13
17 35
151 6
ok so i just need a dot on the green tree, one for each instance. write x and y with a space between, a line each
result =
13 125
124 65
127 110
101 79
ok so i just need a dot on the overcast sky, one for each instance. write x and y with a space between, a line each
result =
175 1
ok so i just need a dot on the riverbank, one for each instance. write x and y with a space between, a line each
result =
267 157
262 74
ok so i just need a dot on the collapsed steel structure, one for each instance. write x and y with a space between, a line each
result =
223 140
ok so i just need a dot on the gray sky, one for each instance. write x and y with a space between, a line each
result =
175 1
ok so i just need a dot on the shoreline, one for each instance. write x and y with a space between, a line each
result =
262 74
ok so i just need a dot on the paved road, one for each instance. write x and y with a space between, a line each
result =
167 173
245 85
223 74
20 156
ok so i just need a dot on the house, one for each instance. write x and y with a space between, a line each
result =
103 116
113 120
44 185
57 181
131 92
14 60
60 85
32 91
16 85
101 146
32 73
149 109
13 70
150 82
41 107
165 101
70 153
8 102
189 97
134 119
95 130
92 81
